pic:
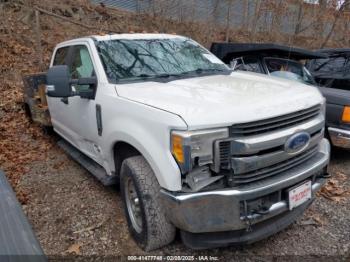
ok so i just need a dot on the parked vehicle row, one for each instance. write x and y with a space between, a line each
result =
333 77
227 157
328 69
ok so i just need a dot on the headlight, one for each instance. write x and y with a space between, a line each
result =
346 114
191 148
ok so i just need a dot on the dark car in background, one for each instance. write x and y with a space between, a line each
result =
333 76
328 69
271 59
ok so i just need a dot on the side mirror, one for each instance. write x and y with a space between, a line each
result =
91 81
88 93
58 82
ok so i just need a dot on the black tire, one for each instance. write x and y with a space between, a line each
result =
155 230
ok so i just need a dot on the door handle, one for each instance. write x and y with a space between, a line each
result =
99 119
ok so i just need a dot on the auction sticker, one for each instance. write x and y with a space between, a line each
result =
299 194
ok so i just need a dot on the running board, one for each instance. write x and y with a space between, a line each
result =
89 164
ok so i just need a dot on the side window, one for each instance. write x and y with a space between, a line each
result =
60 56
326 65
251 64
81 65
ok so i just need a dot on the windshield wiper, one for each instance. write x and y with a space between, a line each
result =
156 76
147 76
201 71
144 76
197 71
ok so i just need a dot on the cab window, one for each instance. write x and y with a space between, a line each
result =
288 69
81 65
61 56
251 64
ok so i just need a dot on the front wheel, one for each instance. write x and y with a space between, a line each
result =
140 192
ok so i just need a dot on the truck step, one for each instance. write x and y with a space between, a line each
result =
89 164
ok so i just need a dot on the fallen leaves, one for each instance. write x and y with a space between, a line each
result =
74 249
21 142
313 219
335 188
91 228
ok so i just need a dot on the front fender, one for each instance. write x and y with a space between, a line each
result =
148 130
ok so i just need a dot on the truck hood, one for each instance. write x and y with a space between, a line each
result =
223 100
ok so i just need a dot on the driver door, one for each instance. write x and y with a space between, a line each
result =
74 118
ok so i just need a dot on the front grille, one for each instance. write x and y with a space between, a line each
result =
274 169
247 159
275 123
224 153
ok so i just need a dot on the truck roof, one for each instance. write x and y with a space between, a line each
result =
228 51
123 36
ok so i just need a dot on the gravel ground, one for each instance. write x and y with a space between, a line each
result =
70 210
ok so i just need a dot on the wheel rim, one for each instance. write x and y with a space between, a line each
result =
133 205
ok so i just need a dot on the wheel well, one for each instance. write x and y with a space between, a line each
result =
123 150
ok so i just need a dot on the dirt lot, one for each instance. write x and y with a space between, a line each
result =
71 211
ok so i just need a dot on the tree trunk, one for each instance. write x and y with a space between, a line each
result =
299 18
228 14
255 19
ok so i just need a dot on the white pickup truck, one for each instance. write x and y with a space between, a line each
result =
227 157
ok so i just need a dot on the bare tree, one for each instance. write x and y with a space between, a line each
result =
321 11
228 19
300 15
337 15
278 9
257 13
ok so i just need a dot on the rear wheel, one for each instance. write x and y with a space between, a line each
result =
140 191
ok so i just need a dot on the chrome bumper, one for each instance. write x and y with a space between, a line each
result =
339 137
219 210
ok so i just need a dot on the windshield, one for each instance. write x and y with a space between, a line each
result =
289 69
130 60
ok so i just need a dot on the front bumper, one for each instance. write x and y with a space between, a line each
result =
220 210
243 237
339 137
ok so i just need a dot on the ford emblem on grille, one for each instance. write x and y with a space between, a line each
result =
297 142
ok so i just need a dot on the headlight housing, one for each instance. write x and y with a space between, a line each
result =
195 148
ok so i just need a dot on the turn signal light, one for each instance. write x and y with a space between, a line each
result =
346 114
177 148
